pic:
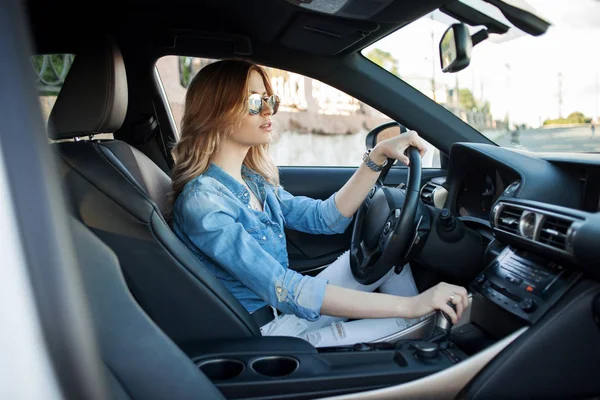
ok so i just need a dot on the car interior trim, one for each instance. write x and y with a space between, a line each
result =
444 384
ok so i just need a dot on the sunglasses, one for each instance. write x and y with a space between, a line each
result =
255 103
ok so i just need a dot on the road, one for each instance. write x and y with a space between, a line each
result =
569 139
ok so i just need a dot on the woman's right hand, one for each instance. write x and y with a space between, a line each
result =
437 297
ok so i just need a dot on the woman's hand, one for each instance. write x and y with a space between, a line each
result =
394 147
437 297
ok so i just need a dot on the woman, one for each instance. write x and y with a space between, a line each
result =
230 210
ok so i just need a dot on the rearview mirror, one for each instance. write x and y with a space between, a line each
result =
455 48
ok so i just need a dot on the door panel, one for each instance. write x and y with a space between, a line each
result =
307 253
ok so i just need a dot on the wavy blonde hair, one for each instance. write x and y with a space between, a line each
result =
214 107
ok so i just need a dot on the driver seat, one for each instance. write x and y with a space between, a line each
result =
120 194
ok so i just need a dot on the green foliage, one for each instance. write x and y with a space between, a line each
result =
51 70
385 60
468 102
189 67
573 118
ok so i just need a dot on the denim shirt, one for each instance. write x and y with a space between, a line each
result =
246 249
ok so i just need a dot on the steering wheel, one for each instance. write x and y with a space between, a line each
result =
386 223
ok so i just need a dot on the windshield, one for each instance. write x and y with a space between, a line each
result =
538 93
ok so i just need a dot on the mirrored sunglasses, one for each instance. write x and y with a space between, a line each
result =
255 103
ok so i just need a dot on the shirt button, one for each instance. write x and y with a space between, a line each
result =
280 235
264 238
246 194
249 206
278 289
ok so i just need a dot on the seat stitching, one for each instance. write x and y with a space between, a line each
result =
135 186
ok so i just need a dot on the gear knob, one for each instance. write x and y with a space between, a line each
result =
444 322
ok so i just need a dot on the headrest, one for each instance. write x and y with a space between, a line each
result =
93 98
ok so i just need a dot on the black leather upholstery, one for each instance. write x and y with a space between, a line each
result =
141 362
120 194
93 98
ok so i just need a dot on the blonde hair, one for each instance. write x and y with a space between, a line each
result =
214 108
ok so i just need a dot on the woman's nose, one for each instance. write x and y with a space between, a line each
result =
266 109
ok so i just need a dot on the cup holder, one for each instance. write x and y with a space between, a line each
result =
275 366
221 369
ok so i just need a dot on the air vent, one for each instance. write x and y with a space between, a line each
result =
427 193
553 232
508 219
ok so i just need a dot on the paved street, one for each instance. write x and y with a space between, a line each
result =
571 139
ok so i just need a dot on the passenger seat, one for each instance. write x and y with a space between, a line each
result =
120 194
141 361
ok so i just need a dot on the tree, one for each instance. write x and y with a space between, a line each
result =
575 117
467 100
385 60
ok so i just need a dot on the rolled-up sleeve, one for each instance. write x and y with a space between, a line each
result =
312 215
216 234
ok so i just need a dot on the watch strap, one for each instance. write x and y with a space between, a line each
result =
371 164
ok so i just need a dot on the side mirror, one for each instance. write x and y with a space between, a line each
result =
384 131
455 48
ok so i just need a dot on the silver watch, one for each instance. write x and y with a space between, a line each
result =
367 160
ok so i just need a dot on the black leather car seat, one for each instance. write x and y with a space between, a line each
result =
120 194
140 361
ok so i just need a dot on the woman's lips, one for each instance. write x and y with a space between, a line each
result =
266 126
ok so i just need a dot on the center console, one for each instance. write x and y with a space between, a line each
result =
512 293
517 289
268 367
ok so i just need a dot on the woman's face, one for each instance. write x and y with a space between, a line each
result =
255 129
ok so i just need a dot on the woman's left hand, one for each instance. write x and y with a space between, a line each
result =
394 147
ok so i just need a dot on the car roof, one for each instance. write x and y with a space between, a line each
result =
58 25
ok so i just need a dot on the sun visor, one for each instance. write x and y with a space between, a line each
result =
318 34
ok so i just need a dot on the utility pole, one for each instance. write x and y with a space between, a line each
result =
508 72
597 92
560 98
456 89
433 49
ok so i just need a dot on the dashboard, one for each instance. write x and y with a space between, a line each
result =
537 265
547 204
478 191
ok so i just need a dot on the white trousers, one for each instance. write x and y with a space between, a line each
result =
332 331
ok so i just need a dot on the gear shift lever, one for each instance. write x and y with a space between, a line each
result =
443 325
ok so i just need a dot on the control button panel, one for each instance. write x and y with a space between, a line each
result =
524 284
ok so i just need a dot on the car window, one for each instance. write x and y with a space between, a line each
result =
317 125
538 93
51 71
